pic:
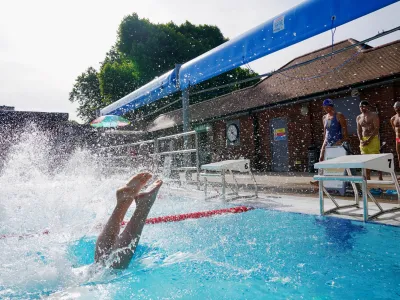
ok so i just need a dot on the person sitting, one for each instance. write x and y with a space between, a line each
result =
116 249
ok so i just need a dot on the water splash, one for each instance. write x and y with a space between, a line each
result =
71 196
42 189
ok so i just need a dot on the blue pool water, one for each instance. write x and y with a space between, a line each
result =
261 254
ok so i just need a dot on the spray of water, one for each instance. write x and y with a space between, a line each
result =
41 190
70 197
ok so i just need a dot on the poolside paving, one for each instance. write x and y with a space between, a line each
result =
293 192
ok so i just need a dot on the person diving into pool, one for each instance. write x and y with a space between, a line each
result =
113 248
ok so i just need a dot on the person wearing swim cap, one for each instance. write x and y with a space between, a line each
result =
368 132
115 249
335 127
395 121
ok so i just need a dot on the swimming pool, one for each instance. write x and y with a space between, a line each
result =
255 255
260 254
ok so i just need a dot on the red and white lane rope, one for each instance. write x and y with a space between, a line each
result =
156 220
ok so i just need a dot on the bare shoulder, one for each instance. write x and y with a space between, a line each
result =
340 115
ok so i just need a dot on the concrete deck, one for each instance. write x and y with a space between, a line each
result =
292 192
310 205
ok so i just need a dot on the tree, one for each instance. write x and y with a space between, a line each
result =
86 92
118 79
144 51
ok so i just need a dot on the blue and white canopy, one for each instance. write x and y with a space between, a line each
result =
295 25
156 89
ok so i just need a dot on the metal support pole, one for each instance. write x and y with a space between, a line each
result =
364 194
185 110
205 185
321 198
255 184
186 125
155 156
223 184
196 137
354 186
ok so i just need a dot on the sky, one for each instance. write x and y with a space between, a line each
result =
46 44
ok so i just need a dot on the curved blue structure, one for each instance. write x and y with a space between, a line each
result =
156 89
295 25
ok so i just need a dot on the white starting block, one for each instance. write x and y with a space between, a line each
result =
378 162
221 168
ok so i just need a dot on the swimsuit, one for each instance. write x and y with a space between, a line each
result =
333 131
397 140
373 147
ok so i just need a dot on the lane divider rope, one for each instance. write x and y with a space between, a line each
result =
157 220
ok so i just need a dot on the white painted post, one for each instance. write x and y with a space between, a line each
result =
364 194
321 197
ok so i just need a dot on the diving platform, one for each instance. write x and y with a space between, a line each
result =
377 162
219 169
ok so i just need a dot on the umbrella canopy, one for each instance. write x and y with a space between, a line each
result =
109 121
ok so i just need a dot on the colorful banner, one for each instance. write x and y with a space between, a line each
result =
280 134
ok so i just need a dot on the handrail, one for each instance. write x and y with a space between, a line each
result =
128 145
176 135
176 152
156 154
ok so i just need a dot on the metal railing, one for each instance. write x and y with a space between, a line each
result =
158 155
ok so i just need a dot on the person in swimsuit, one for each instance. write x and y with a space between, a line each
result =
335 127
368 132
395 121
115 249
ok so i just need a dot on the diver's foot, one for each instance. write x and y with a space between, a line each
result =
145 200
314 183
127 193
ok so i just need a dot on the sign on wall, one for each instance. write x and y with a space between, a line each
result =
280 134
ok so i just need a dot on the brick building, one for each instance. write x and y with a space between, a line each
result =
275 121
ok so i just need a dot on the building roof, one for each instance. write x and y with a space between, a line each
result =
7 116
351 67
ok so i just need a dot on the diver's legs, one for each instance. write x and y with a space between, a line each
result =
126 243
125 196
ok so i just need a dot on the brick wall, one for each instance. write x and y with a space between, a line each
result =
246 148
299 135
304 130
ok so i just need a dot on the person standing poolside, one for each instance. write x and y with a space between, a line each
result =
395 121
368 131
335 127
113 248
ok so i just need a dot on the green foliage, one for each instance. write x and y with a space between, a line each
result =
143 51
86 92
117 79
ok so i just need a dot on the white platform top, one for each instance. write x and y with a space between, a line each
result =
240 165
380 162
